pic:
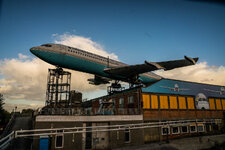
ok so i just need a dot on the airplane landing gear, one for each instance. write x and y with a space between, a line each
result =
115 87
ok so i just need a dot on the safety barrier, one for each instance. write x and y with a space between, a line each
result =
5 141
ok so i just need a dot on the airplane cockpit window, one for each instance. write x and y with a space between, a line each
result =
47 45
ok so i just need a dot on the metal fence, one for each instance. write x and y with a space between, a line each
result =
89 111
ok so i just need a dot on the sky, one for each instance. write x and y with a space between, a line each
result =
130 31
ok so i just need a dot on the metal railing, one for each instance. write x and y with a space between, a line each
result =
89 111
5 141
74 130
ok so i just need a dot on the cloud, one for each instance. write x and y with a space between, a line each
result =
83 43
26 77
201 72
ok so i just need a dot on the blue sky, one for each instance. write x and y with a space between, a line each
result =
134 30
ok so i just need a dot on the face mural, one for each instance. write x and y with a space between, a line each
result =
201 101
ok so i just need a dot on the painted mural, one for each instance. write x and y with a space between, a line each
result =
201 92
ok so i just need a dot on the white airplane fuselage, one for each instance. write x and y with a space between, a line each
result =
80 60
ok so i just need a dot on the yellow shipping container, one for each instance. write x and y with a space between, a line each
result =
173 102
163 102
154 102
182 102
146 101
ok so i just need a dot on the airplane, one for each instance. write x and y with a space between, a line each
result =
103 68
221 92
175 88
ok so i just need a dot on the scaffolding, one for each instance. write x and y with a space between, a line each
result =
58 88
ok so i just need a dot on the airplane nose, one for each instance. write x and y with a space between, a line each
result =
34 50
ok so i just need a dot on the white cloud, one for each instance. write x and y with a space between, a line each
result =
83 43
26 78
200 72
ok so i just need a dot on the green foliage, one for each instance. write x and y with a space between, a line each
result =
1 102
4 115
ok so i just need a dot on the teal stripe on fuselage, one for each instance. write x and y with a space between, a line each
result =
79 64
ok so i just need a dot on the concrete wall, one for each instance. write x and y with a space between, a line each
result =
99 140
70 141
117 138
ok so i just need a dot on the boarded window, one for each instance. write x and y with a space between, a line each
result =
218 104
223 103
173 102
182 102
146 101
211 103
163 102
154 102
190 102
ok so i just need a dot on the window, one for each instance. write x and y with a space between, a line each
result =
163 102
193 128
173 102
59 141
218 104
184 129
201 128
146 101
190 102
212 104
117 135
223 103
47 45
121 102
127 135
182 102
154 102
165 130
131 99
175 130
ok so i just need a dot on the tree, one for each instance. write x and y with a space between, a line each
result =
1 102
4 115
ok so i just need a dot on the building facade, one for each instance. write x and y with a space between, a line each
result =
172 101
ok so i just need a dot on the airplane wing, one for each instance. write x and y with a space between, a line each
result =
134 70
184 89
167 87
212 91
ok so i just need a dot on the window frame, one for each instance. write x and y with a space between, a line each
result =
165 133
203 127
62 140
178 131
182 130
127 131
195 128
